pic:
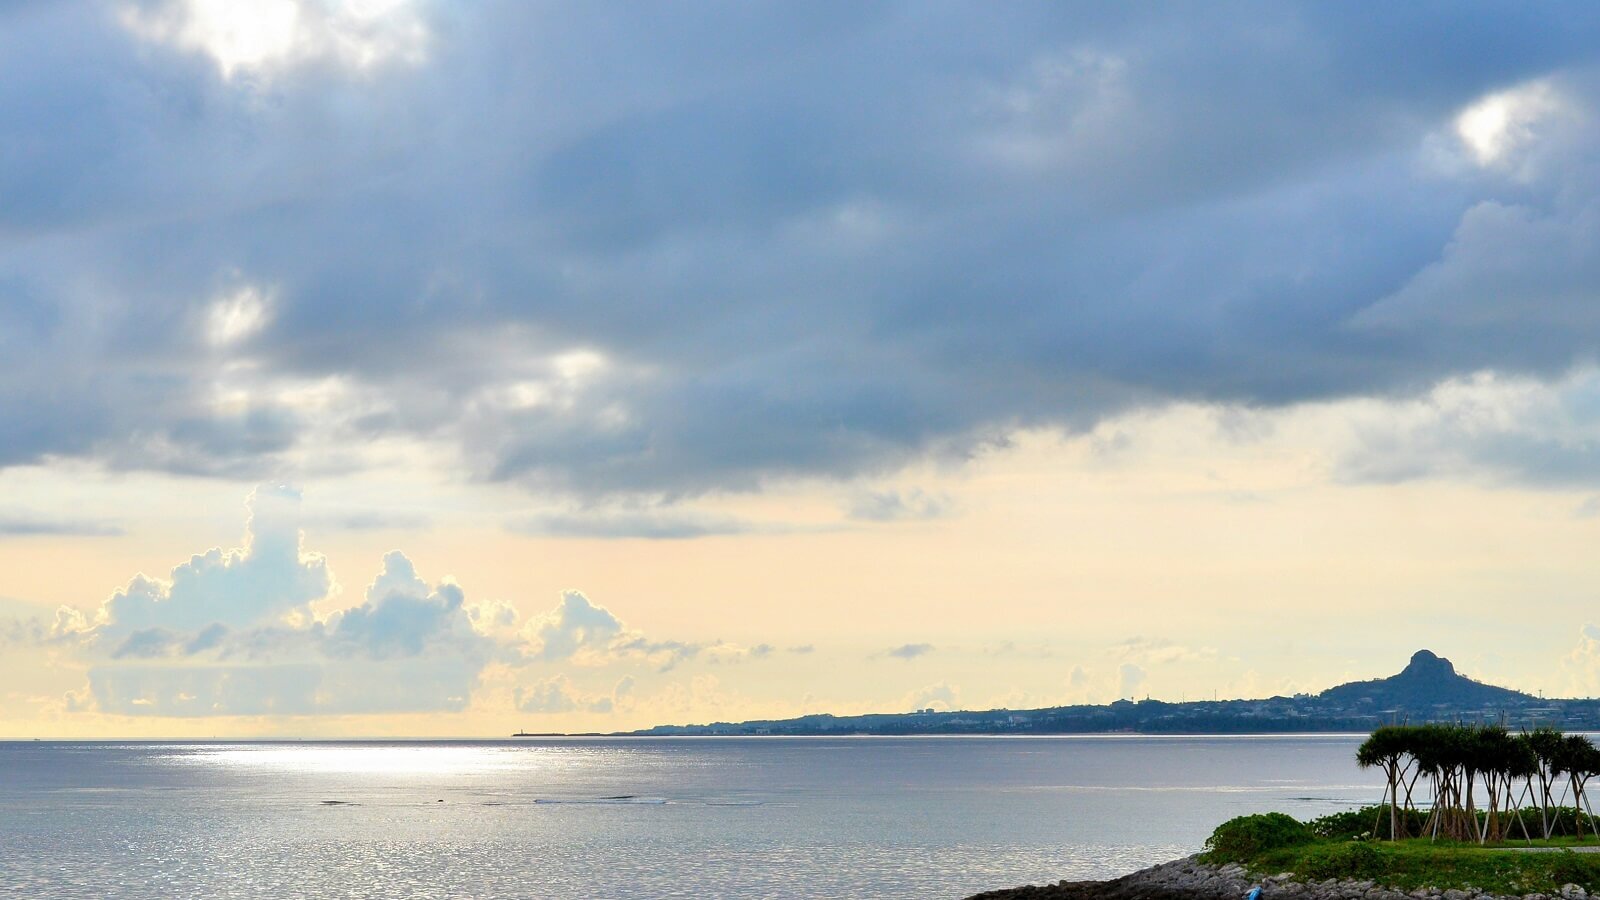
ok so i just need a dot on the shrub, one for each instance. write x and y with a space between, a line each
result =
1563 820
1352 859
1354 823
1345 824
1240 839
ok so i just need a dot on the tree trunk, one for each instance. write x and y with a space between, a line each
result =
1394 799
1579 803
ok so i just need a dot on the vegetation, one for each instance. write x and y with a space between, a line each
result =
1249 836
1452 796
1481 783
1411 864
1356 824
1325 848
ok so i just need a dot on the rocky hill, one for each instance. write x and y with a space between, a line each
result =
1427 682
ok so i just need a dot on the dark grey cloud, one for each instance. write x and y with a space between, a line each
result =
807 241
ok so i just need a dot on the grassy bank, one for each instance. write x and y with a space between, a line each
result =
1274 843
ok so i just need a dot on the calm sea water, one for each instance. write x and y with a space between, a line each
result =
765 817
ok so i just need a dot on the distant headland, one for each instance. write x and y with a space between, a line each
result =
1428 689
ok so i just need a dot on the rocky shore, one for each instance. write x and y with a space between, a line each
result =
1190 879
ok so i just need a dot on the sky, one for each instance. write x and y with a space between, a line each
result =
415 367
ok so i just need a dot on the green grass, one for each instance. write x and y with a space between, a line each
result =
1412 864
1340 847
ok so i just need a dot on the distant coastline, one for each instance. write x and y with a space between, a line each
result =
1428 689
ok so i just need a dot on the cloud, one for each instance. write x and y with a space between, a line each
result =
1130 678
149 643
942 696
31 526
909 651
896 506
232 632
646 524
269 578
205 690
664 655
1123 669
1581 666
1485 428
1084 687
556 695
846 257
587 634
1159 651
402 617
576 625
1032 650
237 316
723 652
18 631
370 520
257 38
1495 127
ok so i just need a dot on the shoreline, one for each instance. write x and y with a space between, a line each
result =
1181 879
1190 879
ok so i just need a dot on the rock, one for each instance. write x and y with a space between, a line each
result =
1573 892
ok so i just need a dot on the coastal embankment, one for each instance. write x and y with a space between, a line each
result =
1191 879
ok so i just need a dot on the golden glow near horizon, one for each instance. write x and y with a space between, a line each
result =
1147 558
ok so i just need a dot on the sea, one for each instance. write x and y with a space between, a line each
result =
866 817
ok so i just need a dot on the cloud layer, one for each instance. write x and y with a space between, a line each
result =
699 249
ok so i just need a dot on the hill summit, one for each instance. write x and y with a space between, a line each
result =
1427 681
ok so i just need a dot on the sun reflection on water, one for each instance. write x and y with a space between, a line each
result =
365 759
